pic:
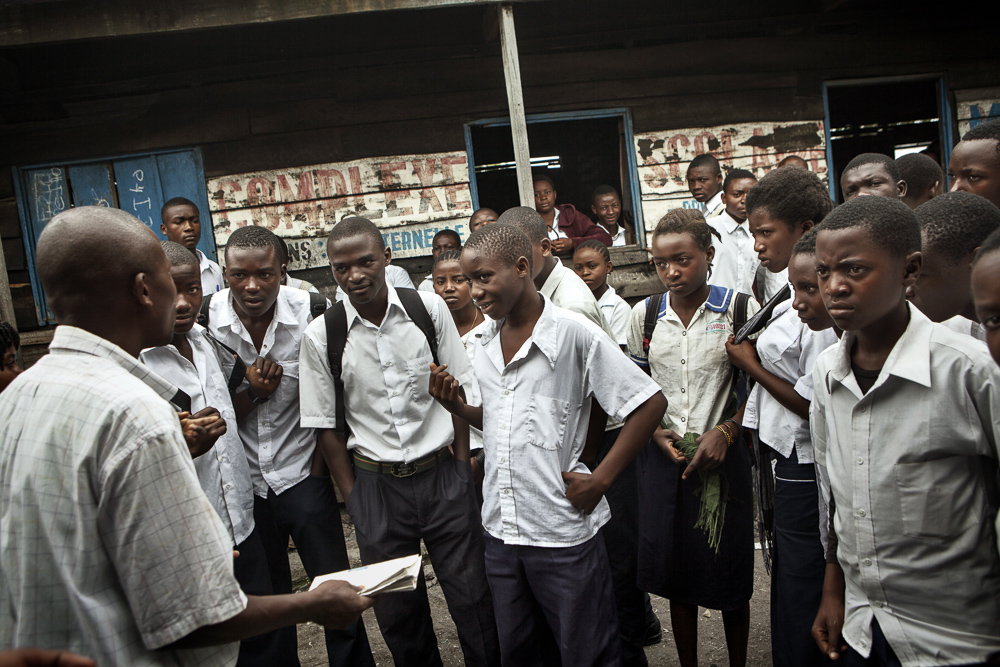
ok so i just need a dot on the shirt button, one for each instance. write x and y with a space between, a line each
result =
503 427
263 446
868 561
683 419
683 390
401 421
506 393
684 333
407 450
503 460
878 604
506 492
388 363
683 361
395 393
864 643
863 409
861 461
228 487
861 512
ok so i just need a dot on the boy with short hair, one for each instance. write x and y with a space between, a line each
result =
444 240
191 363
872 174
561 285
566 227
923 176
261 320
539 367
952 227
704 179
735 264
607 206
905 424
482 216
181 223
975 162
394 467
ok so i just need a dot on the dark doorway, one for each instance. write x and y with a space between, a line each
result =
892 118
577 154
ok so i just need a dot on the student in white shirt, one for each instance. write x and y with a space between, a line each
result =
985 293
905 426
394 275
704 179
607 206
262 320
181 223
952 227
735 264
446 240
686 355
592 262
539 368
781 363
403 466
784 205
108 545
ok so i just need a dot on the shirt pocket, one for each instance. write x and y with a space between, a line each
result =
288 388
939 498
418 377
546 421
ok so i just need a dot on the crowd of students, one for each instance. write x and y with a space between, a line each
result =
561 454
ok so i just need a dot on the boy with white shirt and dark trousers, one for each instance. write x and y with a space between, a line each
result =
260 319
735 264
396 467
539 367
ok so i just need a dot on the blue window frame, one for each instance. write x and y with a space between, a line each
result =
137 184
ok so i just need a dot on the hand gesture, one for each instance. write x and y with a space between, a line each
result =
712 449
562 246
828 625
36 657
743 355
583 490
666 438
264 377
202 429
338 604
445 389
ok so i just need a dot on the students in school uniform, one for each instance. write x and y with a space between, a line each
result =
778 408
191 363
735 264
403 466
975 162
686 356
394 275
607 206
181 223
986 291
539 367
704 179
592 262
566 227
905 426
446 240
262 320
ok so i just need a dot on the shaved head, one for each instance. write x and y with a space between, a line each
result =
528 220
102 267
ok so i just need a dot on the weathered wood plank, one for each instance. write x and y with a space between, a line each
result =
138 184
91 184
515 103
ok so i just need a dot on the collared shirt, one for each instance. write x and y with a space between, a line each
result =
771 283
278 449
690 363
223 470
567 290
211 274
427 284
616 312
556 233
471 341
386 373
618 239
964 325
714 206
292 281
108 546
535 418
787 349
394 275
735 264
913 469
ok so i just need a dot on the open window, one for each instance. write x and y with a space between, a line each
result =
137 184
893 116
578 150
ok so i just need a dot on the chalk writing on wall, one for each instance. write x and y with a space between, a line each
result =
410 198
663 157
48 194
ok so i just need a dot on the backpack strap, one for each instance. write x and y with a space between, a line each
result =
239 372
206 303
417 311
317 304
335 319
740 311
653 304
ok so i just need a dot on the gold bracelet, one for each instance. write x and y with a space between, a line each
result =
735 424
725 432
732 434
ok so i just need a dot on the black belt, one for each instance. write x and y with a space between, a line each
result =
401 469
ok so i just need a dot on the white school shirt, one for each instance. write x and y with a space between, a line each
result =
427 284
278 449
735 264
471 342
771 283
787 349
291 281
913 469
536 411
394 275
108 546
556 232
690 364
964 325
567 290
223 471
386 374
714 206
616 312
617 239
211 274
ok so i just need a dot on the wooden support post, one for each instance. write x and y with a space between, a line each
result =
6 301
515 101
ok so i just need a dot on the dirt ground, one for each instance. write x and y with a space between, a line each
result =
711 639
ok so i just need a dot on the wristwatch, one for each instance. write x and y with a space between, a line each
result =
257 400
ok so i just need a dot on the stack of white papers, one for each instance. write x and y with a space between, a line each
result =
399 574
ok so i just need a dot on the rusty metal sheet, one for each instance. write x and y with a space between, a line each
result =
421 191
663 157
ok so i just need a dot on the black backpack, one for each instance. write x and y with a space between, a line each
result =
336 340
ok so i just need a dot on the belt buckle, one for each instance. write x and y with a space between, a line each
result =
403 469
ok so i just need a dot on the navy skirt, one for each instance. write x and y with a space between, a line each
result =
675 560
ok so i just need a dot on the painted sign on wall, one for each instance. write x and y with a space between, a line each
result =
976 106
409 197
663 157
